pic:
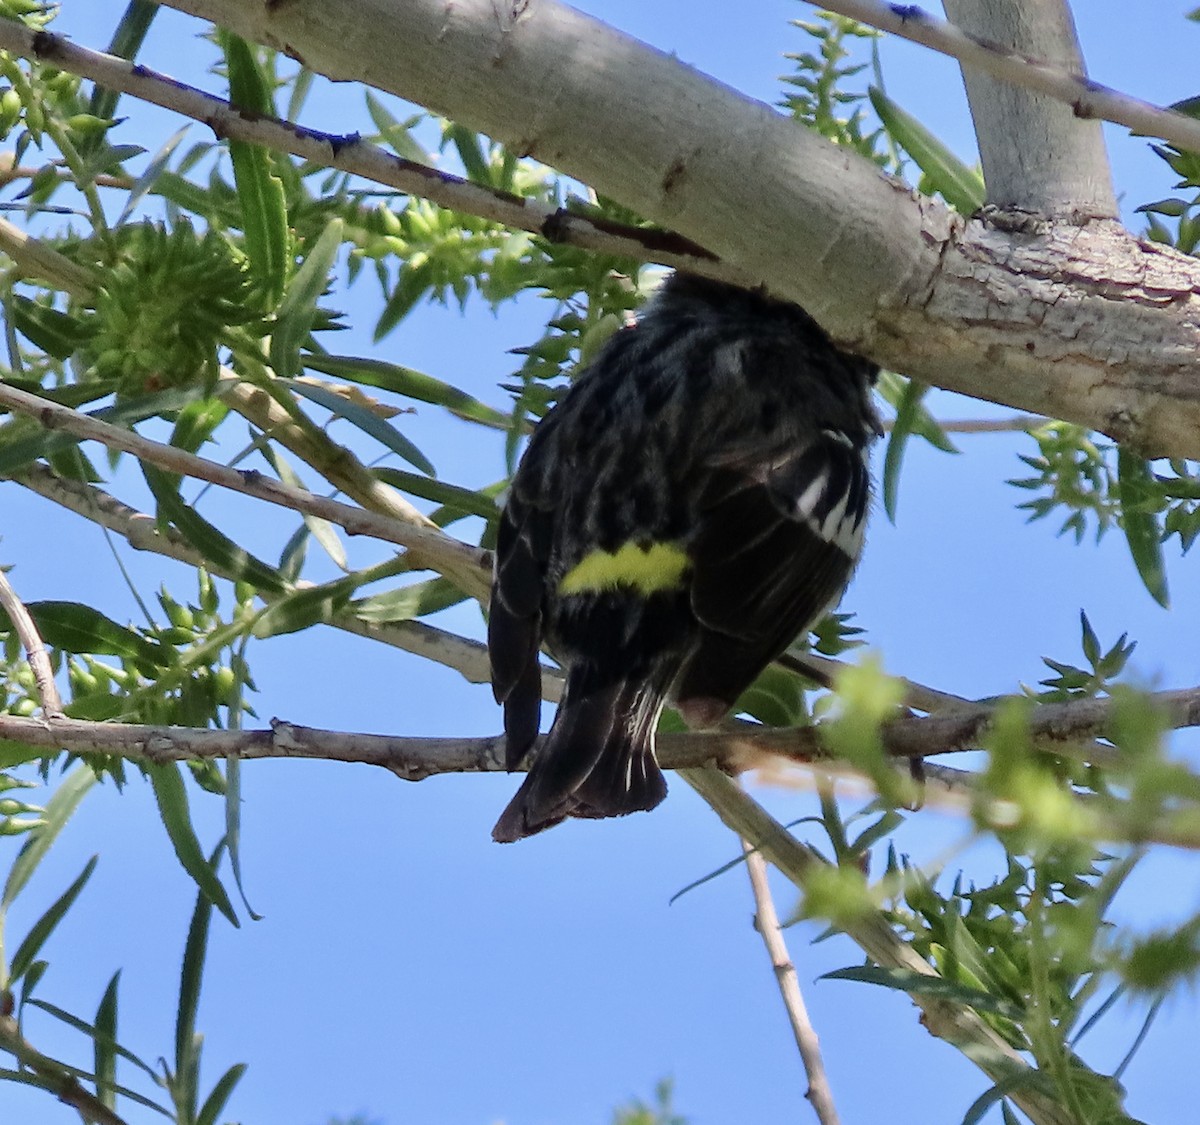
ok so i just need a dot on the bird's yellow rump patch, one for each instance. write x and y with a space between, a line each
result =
660 566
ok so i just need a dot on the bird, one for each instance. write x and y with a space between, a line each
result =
694 501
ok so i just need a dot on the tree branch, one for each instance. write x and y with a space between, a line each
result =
958 1025
1086 98
1085 324
467 566
34 646
54 1076
766 922
350 153
1053 727
1037 154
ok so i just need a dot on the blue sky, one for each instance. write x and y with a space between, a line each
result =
408 968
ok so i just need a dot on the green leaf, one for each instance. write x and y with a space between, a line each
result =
92 1032
321 529
960 186
172 800
218 549
776 698
27 951
407 602
902 428
480 503
410 383
470 152
905 980
154 168
196 422
58 811
104 1045
260 192
297 310
365 420
233 827
315 605
394 133
57 333
214 1104
1140 501
127 40
76 628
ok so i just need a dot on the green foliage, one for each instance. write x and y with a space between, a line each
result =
660 1112
819 98
201 316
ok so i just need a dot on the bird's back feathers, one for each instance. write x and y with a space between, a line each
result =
695 501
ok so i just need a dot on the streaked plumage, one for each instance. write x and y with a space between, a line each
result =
695 501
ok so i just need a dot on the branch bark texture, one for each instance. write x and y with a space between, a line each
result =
1037 154
1086 323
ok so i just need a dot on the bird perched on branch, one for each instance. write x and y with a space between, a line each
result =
695 501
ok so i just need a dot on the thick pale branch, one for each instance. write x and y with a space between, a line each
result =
466 565
1037 153
1086 98
1086 324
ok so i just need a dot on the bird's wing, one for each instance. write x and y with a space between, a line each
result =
775 543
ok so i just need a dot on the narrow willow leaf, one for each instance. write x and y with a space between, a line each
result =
321 529
172 800
776 698
394 132
146 181
294 321
233 827
126 41
58 811
92 1032
75 627
960 186
191 976
104 1045
1139 496
57 333
214 1104
196 422
407 602
216 547
28 950
316 605
359 416
892 388
410 383
470 152
481 503
260 192
920 984
902 428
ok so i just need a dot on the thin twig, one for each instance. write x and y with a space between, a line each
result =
953 1022
54 1076
467 566
350 153
34 646
1017 423
766 922
1088 99
467 657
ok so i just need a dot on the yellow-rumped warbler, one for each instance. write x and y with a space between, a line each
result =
695 501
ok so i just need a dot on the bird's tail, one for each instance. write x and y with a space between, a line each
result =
597 760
